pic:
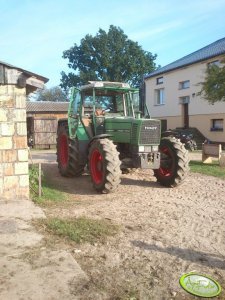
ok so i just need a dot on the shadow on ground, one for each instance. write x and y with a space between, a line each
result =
206 259
82 185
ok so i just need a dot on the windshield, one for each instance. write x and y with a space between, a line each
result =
112 101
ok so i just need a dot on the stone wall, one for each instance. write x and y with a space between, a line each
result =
14 178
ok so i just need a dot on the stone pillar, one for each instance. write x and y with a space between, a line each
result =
14 178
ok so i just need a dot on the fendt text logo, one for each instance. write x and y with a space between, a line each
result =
150 127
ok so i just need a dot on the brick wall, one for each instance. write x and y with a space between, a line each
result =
14 179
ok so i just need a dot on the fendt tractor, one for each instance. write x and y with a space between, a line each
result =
106 132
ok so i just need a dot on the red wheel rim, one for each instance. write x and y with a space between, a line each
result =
167 163
97 166
63 152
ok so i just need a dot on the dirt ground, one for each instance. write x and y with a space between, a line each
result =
164 234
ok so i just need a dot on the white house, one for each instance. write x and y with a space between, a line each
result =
172 94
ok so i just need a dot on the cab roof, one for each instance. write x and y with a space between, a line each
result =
108 85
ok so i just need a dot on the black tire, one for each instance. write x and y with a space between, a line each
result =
68 153
104 165
173 163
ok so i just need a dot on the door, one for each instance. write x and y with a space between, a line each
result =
185 115
74 109
45 131
163 125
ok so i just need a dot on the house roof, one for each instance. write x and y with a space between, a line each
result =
30 74
210 51
47 106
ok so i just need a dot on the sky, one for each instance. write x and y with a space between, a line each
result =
34 33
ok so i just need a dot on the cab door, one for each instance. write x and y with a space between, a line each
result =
73 113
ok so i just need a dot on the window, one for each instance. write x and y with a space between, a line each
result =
184 100
159 80
217 125
159 97
76 102
184 84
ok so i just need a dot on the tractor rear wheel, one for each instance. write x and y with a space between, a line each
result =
173 163
68 153
104 165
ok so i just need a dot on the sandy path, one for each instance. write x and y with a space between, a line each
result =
164 233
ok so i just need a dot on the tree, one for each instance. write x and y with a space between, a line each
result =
109 57
55 94
213 88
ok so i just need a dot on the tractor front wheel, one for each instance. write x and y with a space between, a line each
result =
104 165
173 163
68 153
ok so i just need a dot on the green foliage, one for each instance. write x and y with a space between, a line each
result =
213 88
33 180
49 193
207 169
82 229
54 94
109 57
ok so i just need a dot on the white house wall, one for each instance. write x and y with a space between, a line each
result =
201 112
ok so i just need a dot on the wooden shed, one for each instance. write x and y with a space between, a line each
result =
42 119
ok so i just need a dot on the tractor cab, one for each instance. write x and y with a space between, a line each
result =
97 101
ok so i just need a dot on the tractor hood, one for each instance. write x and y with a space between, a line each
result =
134 131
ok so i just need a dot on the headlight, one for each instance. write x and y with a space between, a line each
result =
141 148
148 149
155 148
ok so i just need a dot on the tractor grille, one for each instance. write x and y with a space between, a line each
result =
134 133
150 132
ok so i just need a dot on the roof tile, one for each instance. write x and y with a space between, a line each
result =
47 106
210 51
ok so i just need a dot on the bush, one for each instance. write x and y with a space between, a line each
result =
34 180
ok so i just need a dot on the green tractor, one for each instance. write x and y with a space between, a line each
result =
107 132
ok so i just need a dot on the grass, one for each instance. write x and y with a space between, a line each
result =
49 193
81 230
212 169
